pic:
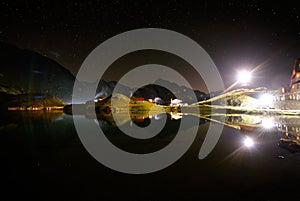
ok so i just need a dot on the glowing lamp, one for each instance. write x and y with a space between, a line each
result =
244 77
248 142
267 123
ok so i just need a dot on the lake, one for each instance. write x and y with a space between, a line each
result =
43 158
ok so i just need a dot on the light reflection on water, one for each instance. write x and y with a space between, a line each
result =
37 144
287 128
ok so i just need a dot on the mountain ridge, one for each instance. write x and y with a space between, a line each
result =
28 72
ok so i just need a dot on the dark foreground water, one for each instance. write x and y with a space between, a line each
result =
42 158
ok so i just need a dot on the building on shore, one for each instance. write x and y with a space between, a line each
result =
177 102
289 98
295 79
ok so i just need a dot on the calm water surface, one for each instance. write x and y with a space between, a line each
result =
43 158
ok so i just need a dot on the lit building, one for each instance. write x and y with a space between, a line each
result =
289 98
177 102
140 100
295 79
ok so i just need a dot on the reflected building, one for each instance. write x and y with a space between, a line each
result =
285 128
289 125
291 129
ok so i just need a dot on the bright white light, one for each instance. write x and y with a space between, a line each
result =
266 100
244 77
248 142
267 123
176 116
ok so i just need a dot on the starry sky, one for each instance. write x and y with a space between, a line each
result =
236 34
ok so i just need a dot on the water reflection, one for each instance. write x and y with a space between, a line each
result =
286 129
21 118
291 129
248 142
40 150
254 127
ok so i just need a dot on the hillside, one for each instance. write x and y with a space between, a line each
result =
34 101
171 92
28 72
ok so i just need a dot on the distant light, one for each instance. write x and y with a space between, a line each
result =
248 142
244 77
267 123
176 116
266 100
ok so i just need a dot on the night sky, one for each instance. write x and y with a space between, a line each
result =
236 34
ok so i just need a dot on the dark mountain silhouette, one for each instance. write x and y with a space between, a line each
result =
170 91
28 72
